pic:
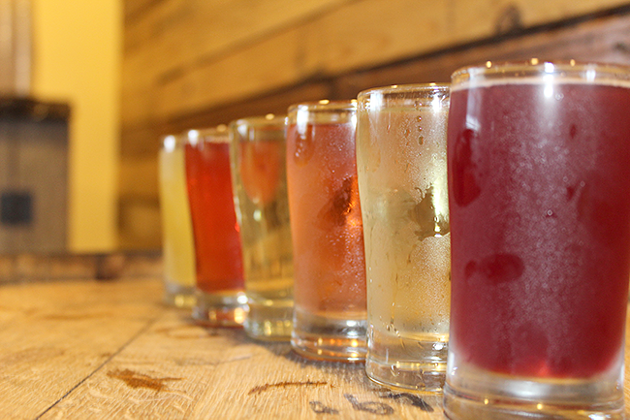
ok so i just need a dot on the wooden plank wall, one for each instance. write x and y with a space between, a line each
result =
196 63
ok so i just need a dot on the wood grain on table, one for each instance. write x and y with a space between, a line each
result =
110 349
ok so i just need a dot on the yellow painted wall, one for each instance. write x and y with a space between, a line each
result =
76 59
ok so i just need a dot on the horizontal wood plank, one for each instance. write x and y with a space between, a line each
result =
215 26
139 224
142 141
139 175
177 37
600 40
136 8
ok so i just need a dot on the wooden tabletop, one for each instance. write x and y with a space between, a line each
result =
73 347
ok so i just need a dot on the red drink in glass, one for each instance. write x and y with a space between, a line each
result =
539 179
327 231
217 243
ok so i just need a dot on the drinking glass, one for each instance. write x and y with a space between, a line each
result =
258 158
177 242
220 297
401 162
329 320
539 187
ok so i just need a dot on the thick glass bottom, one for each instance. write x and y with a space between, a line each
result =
178 295
270 319
472 393
333 339
224 309
413 362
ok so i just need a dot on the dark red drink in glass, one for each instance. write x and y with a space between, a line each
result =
539 175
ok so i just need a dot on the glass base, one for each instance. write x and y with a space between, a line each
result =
270 320
414 362
474 394
224 309
323 338
178 295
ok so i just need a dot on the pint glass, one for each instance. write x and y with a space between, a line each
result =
539 187
177 242
258 158
401 162
329 320
221 300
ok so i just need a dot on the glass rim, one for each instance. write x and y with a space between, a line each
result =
325 105
260 120
534 69
218 134
411 87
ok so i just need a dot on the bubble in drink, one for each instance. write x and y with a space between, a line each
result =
303 145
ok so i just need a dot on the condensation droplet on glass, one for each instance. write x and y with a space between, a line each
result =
395 371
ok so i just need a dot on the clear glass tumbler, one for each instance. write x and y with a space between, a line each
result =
220 293
539 187
401 161
329 320
178 254
258 158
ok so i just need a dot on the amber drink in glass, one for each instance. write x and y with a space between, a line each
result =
401 161
329 319
221 299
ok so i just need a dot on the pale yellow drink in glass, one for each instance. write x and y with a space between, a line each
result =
401 162
258 160
177 240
